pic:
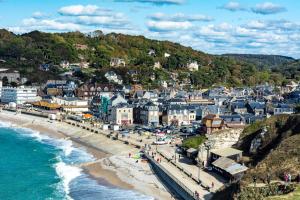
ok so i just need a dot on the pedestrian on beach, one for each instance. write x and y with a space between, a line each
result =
129 155
212 185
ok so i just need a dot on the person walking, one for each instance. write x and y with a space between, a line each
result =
212 185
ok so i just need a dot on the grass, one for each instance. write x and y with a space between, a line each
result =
193 142
292 196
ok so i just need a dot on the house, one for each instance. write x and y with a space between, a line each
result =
117 62
148 114
117 99
283 109
239 107
212 123
64 64
179 115
229 169
157 65
150 95
9 75
111 76
202 111
151 52
121 114
256 108
167 55
193 66
19 95
233 121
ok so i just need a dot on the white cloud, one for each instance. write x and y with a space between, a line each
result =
156 2
158 26
268 8
79 10
180 17
49 24
233 6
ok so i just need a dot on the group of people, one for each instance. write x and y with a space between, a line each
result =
287 177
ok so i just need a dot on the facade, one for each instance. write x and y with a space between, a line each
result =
213 123
73 105
283 109
10 75
121 114
19 95
117 62
149 114
179 115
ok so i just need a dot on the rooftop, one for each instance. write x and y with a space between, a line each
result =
226 152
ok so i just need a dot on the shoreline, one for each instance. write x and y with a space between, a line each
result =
112 167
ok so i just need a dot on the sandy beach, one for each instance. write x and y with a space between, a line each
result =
112 165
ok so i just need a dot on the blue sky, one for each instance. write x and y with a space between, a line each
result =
213 26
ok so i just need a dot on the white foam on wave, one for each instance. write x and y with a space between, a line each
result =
67 154
67 173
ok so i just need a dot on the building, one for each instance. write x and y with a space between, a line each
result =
117 62
72 104
213 123
111 76
9 75
231 153
283 109
19 95
121 114
193 66
149 114
179 115
229 169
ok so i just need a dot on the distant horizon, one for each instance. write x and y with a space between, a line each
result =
267 27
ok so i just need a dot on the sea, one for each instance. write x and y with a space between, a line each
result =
36 167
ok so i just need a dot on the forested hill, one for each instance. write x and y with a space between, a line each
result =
28 51
263 61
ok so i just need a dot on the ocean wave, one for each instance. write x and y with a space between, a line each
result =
67 173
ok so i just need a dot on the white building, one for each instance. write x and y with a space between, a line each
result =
193 66
121 114
19 95
72 104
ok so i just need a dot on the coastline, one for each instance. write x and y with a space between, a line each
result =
111 167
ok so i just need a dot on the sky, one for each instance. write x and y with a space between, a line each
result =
212 26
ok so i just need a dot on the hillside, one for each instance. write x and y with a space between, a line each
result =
28 51
263 61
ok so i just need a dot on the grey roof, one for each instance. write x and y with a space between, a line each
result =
226 152
229 165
